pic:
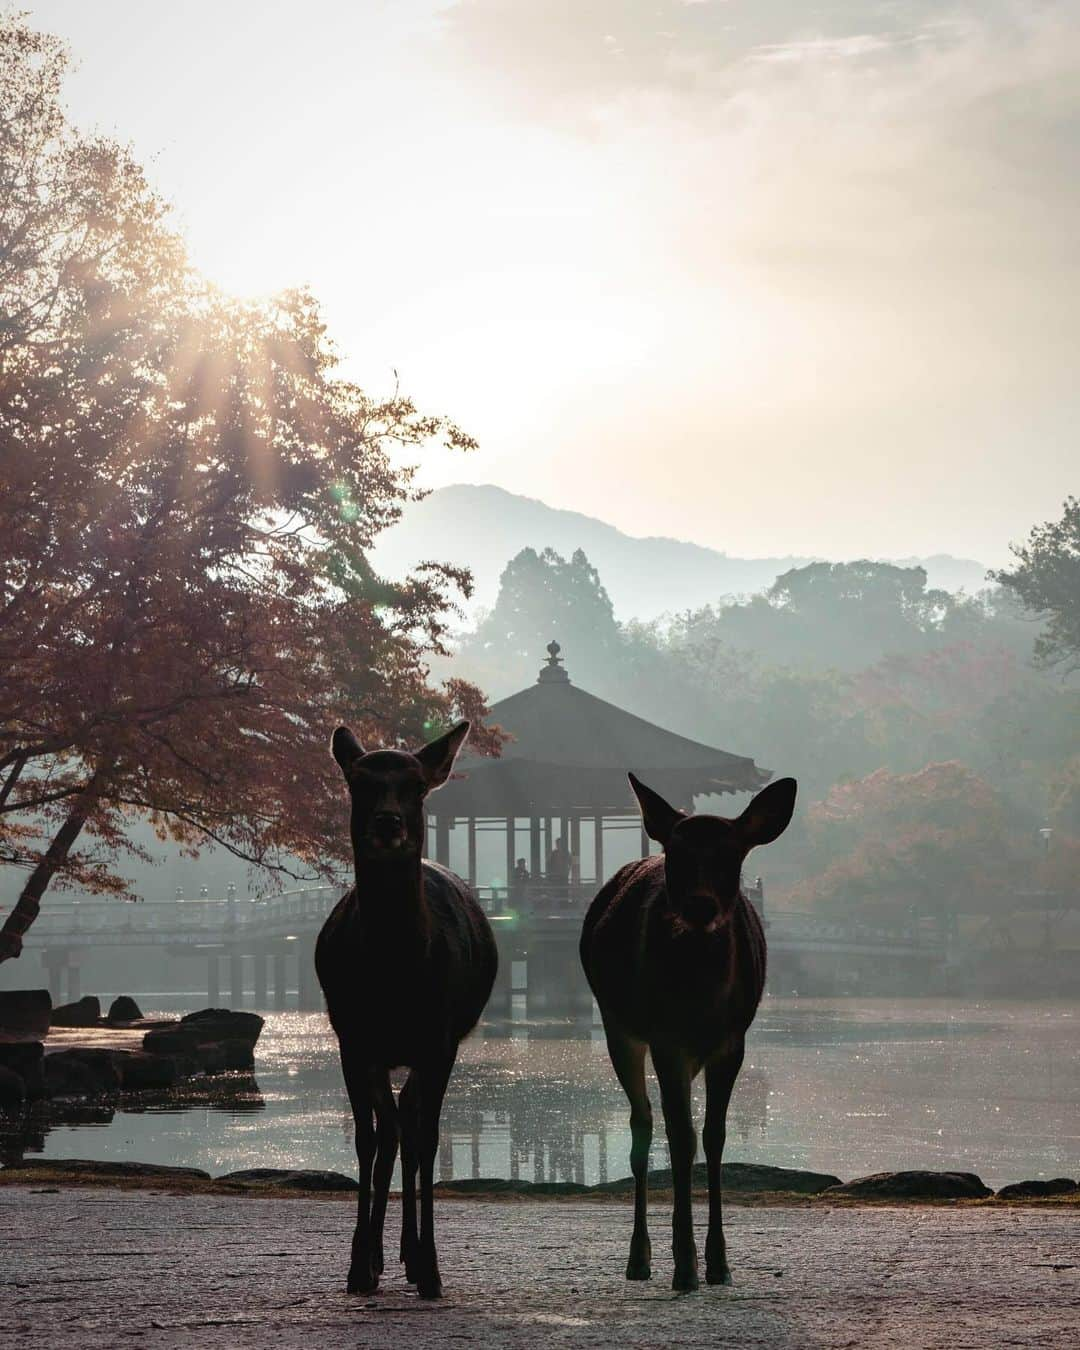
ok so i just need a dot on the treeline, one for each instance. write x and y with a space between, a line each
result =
930 747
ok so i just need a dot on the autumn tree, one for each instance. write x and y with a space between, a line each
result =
1046 577
188 495
937 840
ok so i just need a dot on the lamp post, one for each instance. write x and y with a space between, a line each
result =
1045 834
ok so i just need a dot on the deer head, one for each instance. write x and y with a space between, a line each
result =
703 855
388 788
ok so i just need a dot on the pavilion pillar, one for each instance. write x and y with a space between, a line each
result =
534 847
598 848
471 837
575 850
511 851
549 840
442 840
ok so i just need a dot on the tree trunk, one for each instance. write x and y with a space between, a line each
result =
28 904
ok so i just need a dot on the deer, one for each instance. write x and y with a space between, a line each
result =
675 955
406 961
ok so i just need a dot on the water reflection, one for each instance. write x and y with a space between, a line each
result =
27 1131
846 1086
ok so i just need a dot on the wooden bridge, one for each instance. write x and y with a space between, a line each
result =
265 946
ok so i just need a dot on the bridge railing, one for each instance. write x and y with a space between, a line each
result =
215 919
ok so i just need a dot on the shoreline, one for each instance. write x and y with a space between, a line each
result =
39 1174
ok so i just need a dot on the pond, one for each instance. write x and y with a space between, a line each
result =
845 1086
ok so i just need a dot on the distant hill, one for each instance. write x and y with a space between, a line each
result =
482 527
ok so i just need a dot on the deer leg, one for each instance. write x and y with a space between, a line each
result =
719 1080
386 1147
628 1061
433 1082
673 1074
408 1115
362 1278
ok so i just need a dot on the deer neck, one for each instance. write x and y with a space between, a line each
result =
391 896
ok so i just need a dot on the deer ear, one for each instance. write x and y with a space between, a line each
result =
437 757
346 749
657 815
769 814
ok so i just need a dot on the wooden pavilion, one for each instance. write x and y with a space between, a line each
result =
563 777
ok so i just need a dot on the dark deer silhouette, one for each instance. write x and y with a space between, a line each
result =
406 961
675 954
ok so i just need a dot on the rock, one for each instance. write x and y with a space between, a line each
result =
236 1054
24 1013
139 1070
24 1058
222 1024
12 1089
80 1073
914 1186
294 1178
67 1077
92 1167
170 1041
1025 1190
85 1013
738 1178
124 1009
485 1186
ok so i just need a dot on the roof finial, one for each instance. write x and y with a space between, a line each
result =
552 672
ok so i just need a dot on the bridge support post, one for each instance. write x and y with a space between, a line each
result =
501 1003
213 981
279 980
55 963
308 988
535 981
260 980
236 978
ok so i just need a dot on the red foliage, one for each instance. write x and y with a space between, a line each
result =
187 495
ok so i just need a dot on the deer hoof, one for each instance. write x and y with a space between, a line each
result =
361 1282
720 1275
638 1268
684 1281
429 1287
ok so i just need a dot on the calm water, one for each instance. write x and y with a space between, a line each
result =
842 1086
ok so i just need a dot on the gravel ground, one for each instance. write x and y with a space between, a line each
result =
90 1267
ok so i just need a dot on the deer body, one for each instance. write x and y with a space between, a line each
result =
676 954
406 961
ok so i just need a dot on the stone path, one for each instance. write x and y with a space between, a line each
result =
92 1268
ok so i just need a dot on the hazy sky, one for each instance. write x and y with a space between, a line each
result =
773 275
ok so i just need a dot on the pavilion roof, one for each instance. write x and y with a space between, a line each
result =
570 756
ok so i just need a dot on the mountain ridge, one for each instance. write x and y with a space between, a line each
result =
482 526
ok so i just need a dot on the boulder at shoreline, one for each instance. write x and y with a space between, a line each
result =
124 1009
86 1012
24 1014
292 1178
93 1167
24 1058
914 1185
1029 1190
